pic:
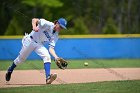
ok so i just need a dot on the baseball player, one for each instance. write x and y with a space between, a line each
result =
43 32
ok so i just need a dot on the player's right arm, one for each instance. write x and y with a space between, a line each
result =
35 22
53 53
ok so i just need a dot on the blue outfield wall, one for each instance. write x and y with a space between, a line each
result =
80 48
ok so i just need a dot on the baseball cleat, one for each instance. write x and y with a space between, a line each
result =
51 78
8 76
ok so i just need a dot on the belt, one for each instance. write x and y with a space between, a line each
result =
33 39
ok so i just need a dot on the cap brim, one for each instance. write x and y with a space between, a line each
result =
63 26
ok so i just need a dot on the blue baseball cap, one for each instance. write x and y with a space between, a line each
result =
62 22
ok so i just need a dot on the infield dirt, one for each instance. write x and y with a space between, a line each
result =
21 78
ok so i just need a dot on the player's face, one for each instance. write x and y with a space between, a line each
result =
58 27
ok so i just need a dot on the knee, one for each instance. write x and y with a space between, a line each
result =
47 59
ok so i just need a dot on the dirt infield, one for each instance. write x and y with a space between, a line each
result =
22 78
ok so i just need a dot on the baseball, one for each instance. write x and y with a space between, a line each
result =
86 64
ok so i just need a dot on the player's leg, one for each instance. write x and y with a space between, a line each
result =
25 51
44 54
9 72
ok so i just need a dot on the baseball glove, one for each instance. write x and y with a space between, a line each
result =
61 63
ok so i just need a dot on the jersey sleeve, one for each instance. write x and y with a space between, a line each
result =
43 22
53 42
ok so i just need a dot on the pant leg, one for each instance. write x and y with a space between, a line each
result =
43 53
27 48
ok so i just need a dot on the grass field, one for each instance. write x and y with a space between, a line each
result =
76 64
98 87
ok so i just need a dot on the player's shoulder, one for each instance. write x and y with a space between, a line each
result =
46 21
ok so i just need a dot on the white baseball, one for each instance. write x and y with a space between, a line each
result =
86 64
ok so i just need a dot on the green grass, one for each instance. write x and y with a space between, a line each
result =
76 64
98 87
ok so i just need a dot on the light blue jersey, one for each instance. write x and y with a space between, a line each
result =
45 33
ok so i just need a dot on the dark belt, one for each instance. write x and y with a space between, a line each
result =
33 39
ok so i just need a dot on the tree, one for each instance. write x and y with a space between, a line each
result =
110 27
6 13
92 14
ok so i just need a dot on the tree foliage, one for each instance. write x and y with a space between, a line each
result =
110 27
84 16
42 3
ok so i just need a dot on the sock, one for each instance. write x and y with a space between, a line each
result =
12 67
47 66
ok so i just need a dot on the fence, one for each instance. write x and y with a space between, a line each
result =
80 47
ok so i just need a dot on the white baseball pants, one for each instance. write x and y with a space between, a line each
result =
30 45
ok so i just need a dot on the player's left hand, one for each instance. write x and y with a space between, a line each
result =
61 63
